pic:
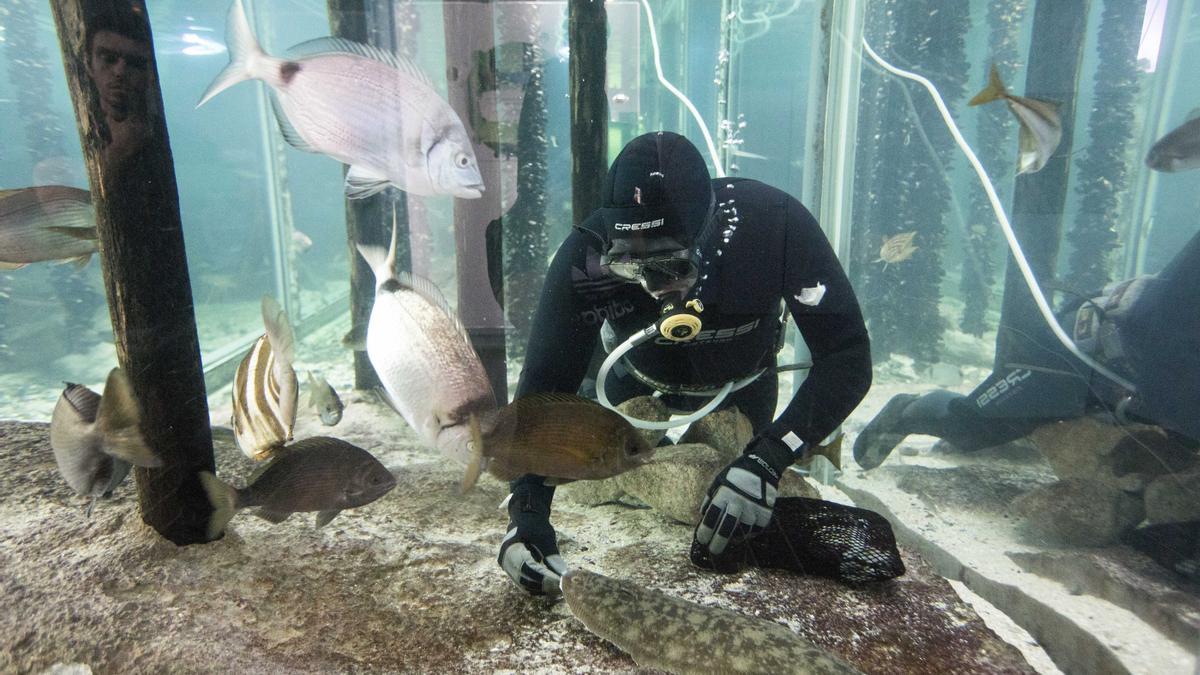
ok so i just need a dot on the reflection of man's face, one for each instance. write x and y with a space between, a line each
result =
118 66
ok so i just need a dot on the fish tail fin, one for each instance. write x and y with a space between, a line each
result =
995 89
475 465
376 257
244 53
382 262
224 500
118 421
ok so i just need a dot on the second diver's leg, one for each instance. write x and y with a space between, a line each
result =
943 414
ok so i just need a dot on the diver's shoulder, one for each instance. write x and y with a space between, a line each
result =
750 192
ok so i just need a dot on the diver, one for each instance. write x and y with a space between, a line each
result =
1146 329
734 252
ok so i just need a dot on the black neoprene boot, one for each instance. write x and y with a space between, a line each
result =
883 433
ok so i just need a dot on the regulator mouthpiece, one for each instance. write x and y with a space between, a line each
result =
678 321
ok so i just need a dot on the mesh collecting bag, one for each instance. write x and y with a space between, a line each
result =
811 536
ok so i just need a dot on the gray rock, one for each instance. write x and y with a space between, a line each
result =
590 492
972 487
1078 512
726 431
651 409
1172 498
675 481
794 485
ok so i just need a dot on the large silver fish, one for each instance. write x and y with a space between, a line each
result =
362 106
1179 150
671 634
319 474
423 357
265 388
50 222
96 439
1040 124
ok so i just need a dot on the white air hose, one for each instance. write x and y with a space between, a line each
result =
636 339
708 141
1013 245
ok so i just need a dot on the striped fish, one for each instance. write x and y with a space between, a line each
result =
265 389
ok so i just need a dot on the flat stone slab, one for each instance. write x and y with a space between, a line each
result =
406 584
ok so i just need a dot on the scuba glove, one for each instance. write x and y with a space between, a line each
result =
529 550
742 496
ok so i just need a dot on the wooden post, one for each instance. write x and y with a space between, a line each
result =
369 221
469 28
587 25
113 79
1055 52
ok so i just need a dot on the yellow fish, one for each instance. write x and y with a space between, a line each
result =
897 248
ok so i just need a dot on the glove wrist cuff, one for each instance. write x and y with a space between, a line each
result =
772 452
530 495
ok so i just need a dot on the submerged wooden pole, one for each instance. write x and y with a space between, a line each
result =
113 79
368 221
469 28
588 36
1055 53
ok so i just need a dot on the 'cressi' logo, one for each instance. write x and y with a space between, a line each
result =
635 227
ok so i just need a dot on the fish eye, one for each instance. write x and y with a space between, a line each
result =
463 161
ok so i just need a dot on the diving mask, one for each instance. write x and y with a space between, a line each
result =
659 274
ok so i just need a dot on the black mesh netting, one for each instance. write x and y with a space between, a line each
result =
811 536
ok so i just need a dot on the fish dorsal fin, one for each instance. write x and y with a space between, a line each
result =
85 401
550 397
279 332
326 45
429 290
288 131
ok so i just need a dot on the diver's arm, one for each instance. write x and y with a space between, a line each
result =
560 342
832 326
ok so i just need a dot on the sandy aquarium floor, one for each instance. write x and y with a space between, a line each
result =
409 584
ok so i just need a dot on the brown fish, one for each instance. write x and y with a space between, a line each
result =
319 474
51 222
671 634
897 248
561 436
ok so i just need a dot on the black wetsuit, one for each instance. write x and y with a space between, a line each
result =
1153 340
765 249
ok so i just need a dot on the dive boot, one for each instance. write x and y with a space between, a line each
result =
882 434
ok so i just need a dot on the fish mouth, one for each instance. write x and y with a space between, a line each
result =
470 191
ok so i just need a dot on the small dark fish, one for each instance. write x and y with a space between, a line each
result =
1041 126
897 248
561 436
1179 150
96 439
319 474
678 636
265 389
323 397
51 222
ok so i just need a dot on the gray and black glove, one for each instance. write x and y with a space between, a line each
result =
529 551
742 496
